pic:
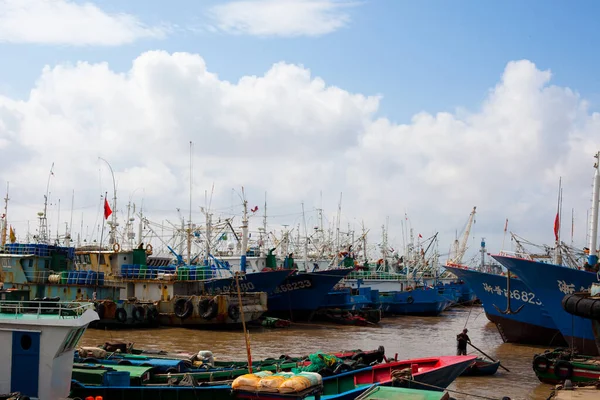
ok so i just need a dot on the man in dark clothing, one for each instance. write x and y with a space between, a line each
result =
462 340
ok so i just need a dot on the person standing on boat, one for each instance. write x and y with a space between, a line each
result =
461 343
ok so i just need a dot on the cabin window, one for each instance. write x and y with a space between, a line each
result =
25 342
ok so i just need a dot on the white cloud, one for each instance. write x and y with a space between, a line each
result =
290 134
281 17
67 22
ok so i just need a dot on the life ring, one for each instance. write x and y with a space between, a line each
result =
208 309
563 370
121 315
183 308
116 247
540 364
139 313
234 312
148 248
410 300
100 309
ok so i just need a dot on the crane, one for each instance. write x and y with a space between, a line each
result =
461 248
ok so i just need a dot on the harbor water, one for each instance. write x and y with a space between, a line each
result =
409 337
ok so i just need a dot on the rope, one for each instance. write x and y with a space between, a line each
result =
468 316
447 390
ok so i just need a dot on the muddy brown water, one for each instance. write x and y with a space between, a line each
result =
410 337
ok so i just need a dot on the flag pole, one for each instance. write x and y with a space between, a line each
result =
101 237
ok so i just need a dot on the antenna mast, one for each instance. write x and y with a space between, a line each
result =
5 217
43 235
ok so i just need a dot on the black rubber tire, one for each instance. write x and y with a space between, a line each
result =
234 312
139 313
208 309
121 315
410 300
152 314
540 364
183 308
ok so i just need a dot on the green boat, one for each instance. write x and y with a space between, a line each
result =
388 392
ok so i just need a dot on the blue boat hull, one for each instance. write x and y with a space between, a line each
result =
252 282
552 283
301 294
531 325
415 302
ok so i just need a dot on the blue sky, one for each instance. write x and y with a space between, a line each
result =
487 57
420 55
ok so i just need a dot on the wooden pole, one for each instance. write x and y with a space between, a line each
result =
489 357
246 336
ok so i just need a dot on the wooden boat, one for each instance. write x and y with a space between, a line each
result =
173 368
424 373
556 366
434 373
392 393
482 367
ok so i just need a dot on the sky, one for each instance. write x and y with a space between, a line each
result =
412 111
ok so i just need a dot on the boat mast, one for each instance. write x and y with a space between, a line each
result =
43 235
305 239
337 233
482 251
189 231
113 220
557 254
5 217
593 257
70 226
244 233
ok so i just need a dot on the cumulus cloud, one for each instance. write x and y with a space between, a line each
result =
66 22
281 17
290 134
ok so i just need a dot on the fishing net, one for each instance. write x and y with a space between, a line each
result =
318 362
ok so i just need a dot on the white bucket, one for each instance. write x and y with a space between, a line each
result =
595 289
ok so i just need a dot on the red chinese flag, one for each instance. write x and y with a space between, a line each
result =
556 227
107 210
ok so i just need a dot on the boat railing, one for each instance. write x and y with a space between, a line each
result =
43 308
38 249
515 254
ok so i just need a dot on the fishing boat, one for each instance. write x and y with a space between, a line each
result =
419 301
300 295
482 367
560 364
532 324
392 393
419 374
553 280
38 344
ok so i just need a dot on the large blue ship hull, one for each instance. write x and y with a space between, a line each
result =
253 282
301 294
552 283
531 325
